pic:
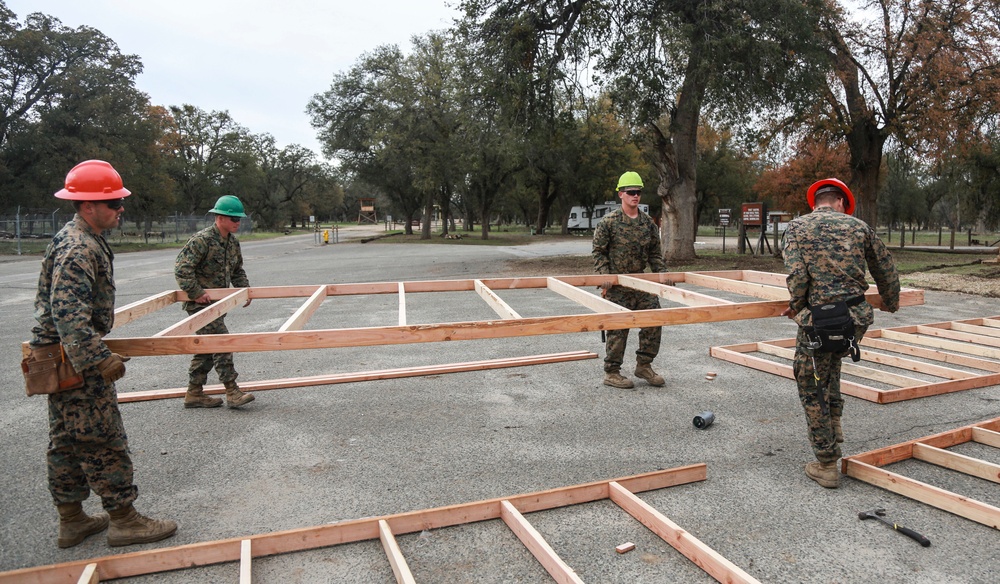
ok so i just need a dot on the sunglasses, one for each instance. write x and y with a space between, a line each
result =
113 204
234 219
633 193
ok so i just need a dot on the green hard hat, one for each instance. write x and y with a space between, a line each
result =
228 205
629 179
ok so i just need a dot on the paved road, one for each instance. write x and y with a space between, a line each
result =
310 456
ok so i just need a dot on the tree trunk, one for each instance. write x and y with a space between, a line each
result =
866 144
676 162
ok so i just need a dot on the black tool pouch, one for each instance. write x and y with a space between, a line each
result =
833 328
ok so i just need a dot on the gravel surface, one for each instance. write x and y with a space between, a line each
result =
310 456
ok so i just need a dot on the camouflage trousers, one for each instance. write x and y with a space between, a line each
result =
649 338
88 448
202 364
819 392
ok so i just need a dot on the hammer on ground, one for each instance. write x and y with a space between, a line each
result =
878 513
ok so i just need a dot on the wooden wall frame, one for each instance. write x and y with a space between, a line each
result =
510 510
696 307
972 343
867 467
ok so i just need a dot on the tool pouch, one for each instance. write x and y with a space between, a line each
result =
833 328
47 370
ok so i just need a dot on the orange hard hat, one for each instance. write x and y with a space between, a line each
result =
93 180
832 182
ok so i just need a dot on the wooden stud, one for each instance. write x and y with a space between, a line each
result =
301 316
693 549
196 321
395 556
402 304
246 560
336 378
958 462
502 309
536 544
671 293
89 575
591 301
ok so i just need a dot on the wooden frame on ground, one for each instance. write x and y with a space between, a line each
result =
972 343
932 449
510 510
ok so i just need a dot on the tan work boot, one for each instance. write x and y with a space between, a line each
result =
76 526
615 379
824 473
645 371
196 398
838 432
236 398
129 527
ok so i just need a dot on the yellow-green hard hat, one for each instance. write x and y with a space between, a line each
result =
629 179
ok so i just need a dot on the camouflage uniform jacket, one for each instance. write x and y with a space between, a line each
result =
75 303
209 261
623 245
826 253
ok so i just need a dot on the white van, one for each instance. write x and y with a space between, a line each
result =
579 217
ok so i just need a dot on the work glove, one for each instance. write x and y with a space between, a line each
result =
113 368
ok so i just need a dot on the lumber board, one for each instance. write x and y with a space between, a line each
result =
584 298
395 555
402 304
307 538
847 368
919 491
703 556
196 321
671 292
536 544
917 366
500 307
89 575
876 342
246 561
737 354
302 315
987 437
140 308
738 287
898 335
985 331
958 462
337 378
955 335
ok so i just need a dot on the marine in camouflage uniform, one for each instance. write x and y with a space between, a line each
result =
627 245
74 306
826 254
212 259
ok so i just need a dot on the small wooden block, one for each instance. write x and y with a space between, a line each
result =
625 547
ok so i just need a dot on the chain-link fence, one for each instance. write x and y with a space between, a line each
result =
32 224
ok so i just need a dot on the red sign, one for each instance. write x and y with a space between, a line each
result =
753 214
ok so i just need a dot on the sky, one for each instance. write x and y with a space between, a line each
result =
261 60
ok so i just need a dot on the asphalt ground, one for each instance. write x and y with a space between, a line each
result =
310 456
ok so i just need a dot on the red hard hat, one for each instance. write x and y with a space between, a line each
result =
93 180
811 195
